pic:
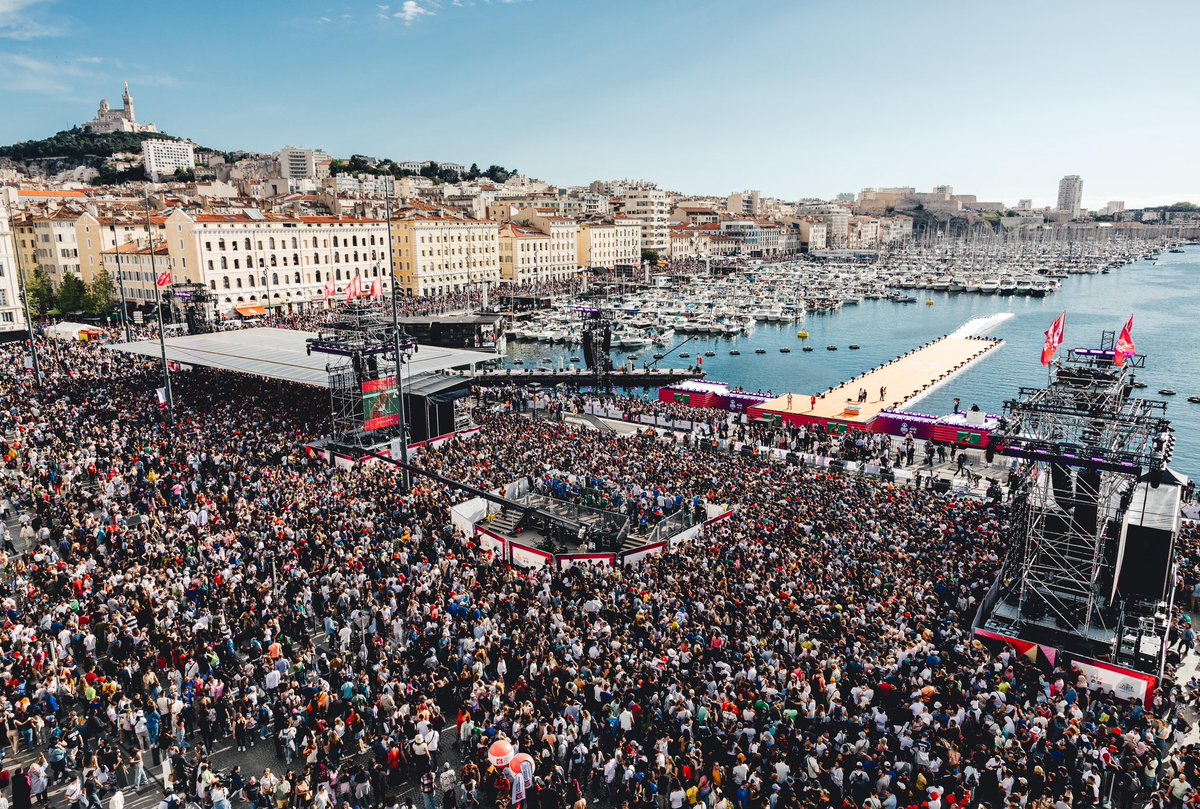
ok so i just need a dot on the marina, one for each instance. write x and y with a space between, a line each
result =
1162 292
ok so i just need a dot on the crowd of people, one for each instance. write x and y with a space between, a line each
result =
168 585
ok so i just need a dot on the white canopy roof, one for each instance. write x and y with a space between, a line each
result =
282 354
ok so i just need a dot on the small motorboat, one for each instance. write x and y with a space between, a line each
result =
1165 392
710 353
735 353
785 350
631 356
1194 399
1138 385
684 356
855 346
658 356
831 348
518 361
807 348
760 351
574 359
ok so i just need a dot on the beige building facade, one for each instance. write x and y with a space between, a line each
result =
438 253
606 242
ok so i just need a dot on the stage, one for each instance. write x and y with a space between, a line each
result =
283 354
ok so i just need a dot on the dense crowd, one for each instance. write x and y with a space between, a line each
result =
169 585
700 427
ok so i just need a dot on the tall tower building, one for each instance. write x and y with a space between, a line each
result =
1070 195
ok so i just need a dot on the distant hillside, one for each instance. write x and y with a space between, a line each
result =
79 146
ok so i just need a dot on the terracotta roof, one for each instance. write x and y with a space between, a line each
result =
38 193
520 231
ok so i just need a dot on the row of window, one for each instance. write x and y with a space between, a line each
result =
296 243
295 260
294 278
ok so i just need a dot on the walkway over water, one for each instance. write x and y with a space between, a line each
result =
902 382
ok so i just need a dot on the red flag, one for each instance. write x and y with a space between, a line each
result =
374 290
164 279
1125 347
1054 338
330 289
354 289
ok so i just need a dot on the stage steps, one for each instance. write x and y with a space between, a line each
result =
505 522
633 541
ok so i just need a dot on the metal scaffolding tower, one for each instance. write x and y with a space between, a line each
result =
1084 443
365 388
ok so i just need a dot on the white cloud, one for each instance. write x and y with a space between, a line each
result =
412 11
71 77
26 74
15 23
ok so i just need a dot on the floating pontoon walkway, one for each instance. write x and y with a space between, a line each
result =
903 381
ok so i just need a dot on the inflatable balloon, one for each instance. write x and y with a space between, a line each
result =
500 753
518 760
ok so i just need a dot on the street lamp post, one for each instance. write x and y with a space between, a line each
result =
396 338
37 365
121 283
162 343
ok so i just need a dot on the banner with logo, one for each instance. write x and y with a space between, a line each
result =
1125 683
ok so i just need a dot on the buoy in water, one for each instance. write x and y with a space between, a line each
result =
803 335
929 303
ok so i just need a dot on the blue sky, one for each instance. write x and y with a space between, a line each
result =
792 97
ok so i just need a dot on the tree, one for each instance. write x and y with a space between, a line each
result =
473 173
101 294
71 294
650 255
185 175
498 174
40 291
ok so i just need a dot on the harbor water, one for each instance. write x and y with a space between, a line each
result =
1163 296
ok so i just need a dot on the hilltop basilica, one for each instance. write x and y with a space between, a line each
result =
121 120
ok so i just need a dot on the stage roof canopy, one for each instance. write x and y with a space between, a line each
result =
282 354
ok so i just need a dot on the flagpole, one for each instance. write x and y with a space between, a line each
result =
162 343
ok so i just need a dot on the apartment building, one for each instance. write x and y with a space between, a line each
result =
606 242
12 313
563 259
440 251
652 208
